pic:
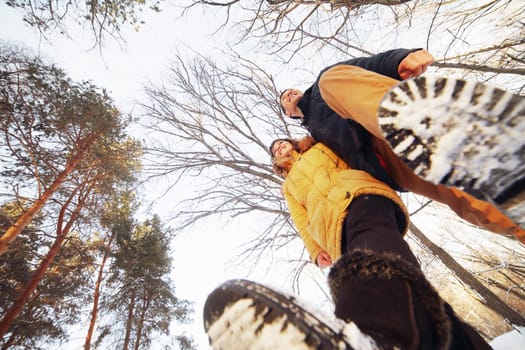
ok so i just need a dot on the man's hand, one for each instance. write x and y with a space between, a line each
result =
415 64
323 260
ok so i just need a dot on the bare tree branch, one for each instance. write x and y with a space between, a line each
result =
213 123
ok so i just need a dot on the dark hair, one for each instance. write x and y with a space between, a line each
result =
280 97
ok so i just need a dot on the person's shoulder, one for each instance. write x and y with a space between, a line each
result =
322 147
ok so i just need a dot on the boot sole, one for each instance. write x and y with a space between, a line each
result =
242 314
460 133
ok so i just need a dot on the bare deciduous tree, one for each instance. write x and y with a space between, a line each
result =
452 29
214 125
492 300
289 26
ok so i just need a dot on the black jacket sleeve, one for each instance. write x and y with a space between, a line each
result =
384 63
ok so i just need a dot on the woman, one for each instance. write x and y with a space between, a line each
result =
334 208
348 217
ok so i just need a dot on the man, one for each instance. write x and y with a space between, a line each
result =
340 109
366 80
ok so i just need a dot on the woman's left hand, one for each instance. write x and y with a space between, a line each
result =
323 260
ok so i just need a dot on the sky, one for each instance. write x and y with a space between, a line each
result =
201 256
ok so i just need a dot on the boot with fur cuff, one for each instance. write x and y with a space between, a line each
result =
390 299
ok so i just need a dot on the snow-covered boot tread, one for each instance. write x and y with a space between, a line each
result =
242 314
460 133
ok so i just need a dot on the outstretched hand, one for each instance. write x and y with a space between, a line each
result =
323 260
415 64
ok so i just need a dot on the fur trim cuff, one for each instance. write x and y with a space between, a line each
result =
364 264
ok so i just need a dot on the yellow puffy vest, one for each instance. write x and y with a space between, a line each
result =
319 188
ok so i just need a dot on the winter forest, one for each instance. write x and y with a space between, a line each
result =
136 176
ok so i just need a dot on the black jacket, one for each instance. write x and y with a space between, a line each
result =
348 139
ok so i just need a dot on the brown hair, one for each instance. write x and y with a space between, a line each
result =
301 145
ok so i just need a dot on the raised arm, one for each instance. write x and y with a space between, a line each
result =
397 64
355 88
385 63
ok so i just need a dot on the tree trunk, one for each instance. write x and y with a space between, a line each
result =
22 299
96 296
12 232
491 300
129 321
141 321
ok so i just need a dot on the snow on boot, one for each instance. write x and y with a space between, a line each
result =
460 133
241 314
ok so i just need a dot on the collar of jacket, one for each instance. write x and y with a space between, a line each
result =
303 106
295 155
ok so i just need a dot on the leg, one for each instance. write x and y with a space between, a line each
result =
391 300
371 226
378 284
372 223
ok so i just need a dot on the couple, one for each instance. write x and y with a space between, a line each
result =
340 187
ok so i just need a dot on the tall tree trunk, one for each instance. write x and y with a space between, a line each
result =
12 232
96 296
22 299
141 320
491 300
129 320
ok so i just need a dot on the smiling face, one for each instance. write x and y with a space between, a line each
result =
281 150
282 159
289 100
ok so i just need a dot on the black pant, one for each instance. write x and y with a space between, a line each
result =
372 224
